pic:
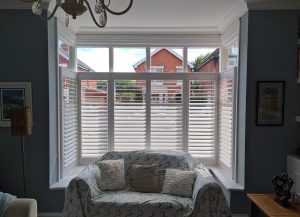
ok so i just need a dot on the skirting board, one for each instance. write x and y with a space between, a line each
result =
57 214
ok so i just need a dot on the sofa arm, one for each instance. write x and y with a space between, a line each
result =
81 191
22 207
208 197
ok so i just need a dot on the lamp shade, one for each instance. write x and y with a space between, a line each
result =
21 121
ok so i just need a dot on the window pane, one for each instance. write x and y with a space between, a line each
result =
63 54
233 55
94 118
92 59
203 59
129 59
166 59
129 115
202 120
166 115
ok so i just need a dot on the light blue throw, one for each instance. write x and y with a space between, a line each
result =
5 201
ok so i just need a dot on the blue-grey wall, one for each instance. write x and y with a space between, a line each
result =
269 42
24 57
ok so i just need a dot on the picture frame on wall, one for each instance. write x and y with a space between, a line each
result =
12 95
270 103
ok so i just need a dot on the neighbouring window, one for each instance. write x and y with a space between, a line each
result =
167 58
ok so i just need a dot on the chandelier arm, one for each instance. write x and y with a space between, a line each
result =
45 18
92 15
116 13
53 12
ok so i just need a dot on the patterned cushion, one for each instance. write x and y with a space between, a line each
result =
164 159
112 174
178 182
144 178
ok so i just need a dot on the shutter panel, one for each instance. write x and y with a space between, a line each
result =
69 123
202 119
226 120
94 118
166 115
129 115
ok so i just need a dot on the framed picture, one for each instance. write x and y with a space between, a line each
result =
270 103
12 95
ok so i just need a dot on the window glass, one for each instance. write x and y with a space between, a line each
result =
92 59
203 59
130 60
165 59
63 54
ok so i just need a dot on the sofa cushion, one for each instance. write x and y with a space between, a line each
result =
112 174
144 178
123 203
164 159
179 183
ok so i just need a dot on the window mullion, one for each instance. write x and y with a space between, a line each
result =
185 115
111 113
148 112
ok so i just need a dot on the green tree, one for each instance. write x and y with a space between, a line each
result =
199 61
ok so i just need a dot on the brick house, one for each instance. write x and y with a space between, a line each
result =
163 60
212 63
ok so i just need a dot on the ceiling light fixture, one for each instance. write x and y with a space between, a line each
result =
78 7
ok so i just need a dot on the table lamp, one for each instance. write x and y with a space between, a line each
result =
21 125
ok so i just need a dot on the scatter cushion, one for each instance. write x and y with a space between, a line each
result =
144 178
112 175
179 182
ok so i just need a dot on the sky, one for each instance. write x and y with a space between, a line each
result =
125 58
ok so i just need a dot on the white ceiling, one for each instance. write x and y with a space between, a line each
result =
166 16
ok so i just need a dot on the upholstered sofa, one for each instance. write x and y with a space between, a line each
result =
85 198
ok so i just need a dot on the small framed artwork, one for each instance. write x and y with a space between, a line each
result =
270 103
12 95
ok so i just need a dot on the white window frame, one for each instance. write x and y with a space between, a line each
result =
113 45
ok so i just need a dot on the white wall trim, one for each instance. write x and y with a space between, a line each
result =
50 214
233 16
273 5
231 34
200 40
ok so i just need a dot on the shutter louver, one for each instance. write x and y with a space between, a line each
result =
94 118
202 120
226 118
166 115
129 115
69 123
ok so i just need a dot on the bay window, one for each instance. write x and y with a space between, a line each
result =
120 110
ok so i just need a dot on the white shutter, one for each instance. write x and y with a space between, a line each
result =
94 118
226 117
69 123
202 119
129 115
166 115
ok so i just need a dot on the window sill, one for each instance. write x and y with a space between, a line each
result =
63 183
226 181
